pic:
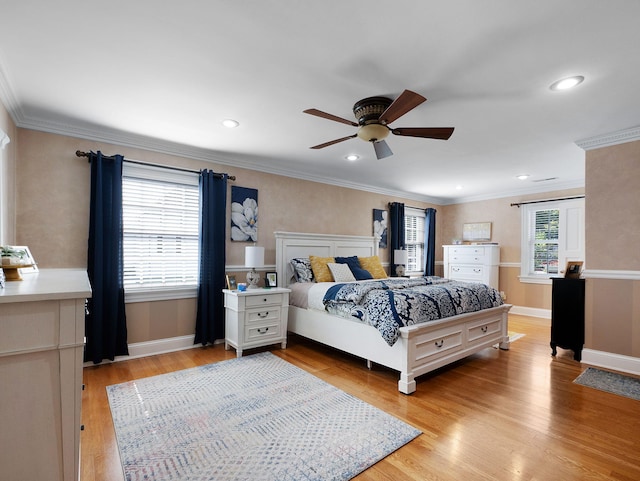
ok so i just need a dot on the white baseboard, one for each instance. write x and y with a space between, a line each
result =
609 360
531 311
159 346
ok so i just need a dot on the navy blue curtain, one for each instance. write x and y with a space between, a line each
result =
429 242
105 323
396 218
213 209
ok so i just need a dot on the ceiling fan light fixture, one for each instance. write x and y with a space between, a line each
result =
567 83
373 132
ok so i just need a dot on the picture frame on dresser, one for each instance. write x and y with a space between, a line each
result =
573 270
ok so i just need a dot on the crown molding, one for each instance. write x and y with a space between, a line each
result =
607 140
260 164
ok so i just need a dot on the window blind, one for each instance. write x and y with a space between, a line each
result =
545 241
161 228
414 239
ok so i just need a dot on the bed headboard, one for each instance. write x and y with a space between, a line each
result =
290 245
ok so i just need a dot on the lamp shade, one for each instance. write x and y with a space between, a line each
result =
254 256
400 256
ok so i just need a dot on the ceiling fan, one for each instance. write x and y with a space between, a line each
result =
374 114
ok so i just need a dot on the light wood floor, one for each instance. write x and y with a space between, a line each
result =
499 415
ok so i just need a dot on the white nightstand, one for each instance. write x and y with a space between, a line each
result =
256 317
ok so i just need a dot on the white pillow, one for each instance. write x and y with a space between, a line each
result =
341 272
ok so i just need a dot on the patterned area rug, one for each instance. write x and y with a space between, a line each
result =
610 382
253 418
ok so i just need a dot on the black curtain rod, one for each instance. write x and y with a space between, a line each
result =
518 204
79 153
411 207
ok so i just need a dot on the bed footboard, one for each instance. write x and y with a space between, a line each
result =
421 348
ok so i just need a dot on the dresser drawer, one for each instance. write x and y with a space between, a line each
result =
263 300
474 273
467 259
438 343
468 251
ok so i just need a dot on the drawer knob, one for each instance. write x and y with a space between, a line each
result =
263 331
439 343
264 299
484 329
263 314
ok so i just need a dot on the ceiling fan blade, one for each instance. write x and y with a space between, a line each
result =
442 133
404 103
327 144
324 115
382 149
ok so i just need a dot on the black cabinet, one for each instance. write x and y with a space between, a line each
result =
567 315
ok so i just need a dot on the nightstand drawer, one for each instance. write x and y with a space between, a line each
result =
269 313
262 332
263 300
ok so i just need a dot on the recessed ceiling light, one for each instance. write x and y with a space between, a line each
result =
523 176
567 83
352 157
230 123
458 187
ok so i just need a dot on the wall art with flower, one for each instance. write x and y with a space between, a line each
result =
380 226
244 214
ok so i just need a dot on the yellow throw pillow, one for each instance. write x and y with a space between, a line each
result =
321 271
374 266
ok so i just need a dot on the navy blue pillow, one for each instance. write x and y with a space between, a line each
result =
354 264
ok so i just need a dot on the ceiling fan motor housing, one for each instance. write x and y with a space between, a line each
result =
367 112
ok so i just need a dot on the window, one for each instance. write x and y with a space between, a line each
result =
552 234
414 239
161 226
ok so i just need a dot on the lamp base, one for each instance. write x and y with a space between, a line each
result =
400 270
252 279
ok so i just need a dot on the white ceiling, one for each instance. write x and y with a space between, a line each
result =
163 75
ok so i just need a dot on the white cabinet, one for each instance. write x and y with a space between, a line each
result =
256 317
472 263
41 350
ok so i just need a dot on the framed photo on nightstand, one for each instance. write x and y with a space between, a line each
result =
271 279
232 285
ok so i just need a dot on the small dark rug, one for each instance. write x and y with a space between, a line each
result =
610 382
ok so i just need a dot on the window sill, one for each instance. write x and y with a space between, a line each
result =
159 294
535 279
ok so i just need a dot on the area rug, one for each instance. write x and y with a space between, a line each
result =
610 382
514 336
253 418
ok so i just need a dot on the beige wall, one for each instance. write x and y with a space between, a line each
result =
505 230
7 179
53 212
612 322
53 215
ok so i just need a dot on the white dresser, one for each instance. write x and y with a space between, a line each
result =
473 263
41 356
256 317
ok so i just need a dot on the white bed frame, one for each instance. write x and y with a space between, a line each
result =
420 349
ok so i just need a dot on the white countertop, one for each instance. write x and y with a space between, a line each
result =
47 284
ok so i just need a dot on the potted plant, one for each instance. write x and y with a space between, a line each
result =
12 256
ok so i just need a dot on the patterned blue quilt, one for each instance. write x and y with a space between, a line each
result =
390 304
